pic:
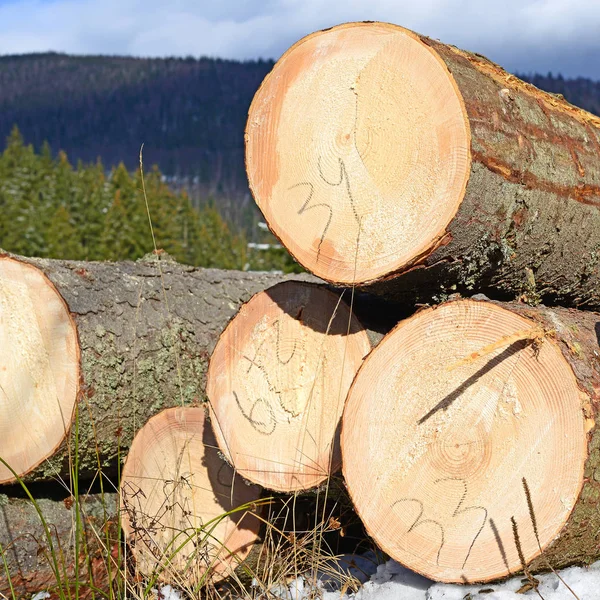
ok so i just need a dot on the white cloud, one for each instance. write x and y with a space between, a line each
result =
524 35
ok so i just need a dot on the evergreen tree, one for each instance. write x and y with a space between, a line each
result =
63 237
48 208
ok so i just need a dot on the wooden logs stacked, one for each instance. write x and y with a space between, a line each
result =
467 438
106 347
382 158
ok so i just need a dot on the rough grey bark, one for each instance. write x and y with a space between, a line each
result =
26 547
142 349
530 218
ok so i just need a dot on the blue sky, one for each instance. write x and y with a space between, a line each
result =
521 35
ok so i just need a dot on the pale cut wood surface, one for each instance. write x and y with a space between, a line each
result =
175 491
375 152
358 150
277 382
435 446
39 368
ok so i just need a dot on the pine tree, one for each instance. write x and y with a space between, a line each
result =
62 237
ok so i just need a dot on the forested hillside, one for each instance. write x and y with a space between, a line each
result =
189 113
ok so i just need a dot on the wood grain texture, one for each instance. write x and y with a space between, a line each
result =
375 152
447 416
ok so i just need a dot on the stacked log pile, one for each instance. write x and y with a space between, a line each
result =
382 158
467 437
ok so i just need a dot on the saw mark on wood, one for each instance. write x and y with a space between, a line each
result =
534 337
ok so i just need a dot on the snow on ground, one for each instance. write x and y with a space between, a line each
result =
391 581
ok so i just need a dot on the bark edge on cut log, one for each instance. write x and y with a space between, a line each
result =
569 540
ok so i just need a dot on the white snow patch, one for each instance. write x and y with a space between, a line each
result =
167 592
391 581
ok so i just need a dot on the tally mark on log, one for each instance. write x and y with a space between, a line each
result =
254 362
278 344
446 402
305 207
259 426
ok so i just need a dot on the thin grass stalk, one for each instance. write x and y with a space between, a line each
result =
54 564
6 570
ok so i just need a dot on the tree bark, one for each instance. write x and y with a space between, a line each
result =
421 158
141 348
26 546
490 415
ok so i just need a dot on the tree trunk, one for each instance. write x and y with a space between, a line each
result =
107 338
27 550
187 517
486 424
277 384
417 156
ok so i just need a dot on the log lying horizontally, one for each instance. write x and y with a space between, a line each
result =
27 549
277 383
373 151
102 333
185 515
471 403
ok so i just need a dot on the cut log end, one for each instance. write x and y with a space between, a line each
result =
39 368
175 492
446 420
358 150
277 382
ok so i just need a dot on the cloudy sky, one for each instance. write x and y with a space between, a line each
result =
522 35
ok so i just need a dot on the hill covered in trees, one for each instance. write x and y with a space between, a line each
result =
189 113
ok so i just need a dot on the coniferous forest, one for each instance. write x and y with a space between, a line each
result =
50 208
